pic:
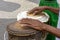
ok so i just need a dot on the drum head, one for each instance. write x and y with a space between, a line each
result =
19 30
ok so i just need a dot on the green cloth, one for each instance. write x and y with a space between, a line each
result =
53 17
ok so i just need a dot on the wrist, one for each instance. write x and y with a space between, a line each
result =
44 27
46 7
41 27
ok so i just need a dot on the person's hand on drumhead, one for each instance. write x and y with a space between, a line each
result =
38 9
33 23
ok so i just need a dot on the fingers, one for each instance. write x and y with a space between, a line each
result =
31 26
40 9
30 22
36 12
25 21
25 25
33 10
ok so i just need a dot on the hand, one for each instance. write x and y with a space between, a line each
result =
33 23
38 9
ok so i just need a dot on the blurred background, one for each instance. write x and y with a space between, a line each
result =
9 10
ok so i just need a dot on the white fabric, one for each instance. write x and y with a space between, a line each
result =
23 14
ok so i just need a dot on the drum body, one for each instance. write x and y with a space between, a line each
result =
30 34
17 31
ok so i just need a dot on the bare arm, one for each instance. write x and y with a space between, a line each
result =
42 8
54 31
41 26
55 10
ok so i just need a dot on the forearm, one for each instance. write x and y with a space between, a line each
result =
52 30
55 10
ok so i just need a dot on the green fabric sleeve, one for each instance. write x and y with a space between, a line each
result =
53 17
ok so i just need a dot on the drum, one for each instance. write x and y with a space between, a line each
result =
17 31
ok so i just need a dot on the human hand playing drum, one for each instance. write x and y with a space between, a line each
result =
39 25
